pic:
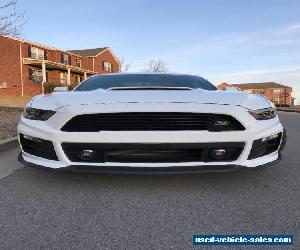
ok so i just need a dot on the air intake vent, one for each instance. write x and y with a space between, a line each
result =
38 147
150 121
153 153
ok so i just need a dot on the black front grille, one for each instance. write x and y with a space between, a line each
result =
38 147
151 153
151 121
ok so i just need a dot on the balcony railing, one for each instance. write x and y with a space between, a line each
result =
57 65
56 81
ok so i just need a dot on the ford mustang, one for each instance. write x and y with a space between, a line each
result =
149 123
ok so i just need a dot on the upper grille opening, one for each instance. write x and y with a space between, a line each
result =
152 121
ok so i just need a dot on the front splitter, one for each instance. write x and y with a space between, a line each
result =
146 170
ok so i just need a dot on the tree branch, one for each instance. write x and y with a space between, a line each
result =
11 23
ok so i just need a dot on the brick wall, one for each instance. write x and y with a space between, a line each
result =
105 56
222 86
10 66
270 93
10 70
273 96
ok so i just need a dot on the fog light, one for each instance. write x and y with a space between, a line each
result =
219 154
86 154
269 138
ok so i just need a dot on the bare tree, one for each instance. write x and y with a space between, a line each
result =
11 20
157 65
124 66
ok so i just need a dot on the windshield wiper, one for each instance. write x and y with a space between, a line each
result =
150 88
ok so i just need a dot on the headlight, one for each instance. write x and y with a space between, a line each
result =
263 114
38 114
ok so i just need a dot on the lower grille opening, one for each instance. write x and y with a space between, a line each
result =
264 146
152 153
38 147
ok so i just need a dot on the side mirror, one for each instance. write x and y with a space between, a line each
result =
61 89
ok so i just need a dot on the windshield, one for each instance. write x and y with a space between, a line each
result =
144 80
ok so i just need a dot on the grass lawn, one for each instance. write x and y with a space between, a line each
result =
14 101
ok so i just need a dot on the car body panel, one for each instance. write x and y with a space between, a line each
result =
58 100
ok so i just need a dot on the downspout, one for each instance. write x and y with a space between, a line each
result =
21 71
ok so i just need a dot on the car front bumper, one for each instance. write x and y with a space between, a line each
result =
51 131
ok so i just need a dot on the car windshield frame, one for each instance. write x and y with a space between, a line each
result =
144 81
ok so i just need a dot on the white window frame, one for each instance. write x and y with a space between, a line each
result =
63 78
107 66
37 53
64 61
78 79
276 100
76 61
37 75
258 91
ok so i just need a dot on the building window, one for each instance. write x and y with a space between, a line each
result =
278 91
258 91
65 59
36 53
107 66
36 75
63 78
78 79
78 62
276 100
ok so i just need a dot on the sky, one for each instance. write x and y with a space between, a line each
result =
231 41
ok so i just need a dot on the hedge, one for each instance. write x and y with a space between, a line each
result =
49 87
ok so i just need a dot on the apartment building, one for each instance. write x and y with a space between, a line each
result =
26 67
279 94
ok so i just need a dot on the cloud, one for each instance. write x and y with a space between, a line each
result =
244 48
254 56
292 28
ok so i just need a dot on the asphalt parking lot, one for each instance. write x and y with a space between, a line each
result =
40 210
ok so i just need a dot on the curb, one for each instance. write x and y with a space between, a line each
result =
9 143
289 110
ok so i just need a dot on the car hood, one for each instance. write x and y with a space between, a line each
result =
58 100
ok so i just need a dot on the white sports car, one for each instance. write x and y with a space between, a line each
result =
149 123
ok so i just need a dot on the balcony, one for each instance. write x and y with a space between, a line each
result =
50 65
56 65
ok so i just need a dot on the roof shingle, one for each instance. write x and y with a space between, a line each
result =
88 52
262 85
